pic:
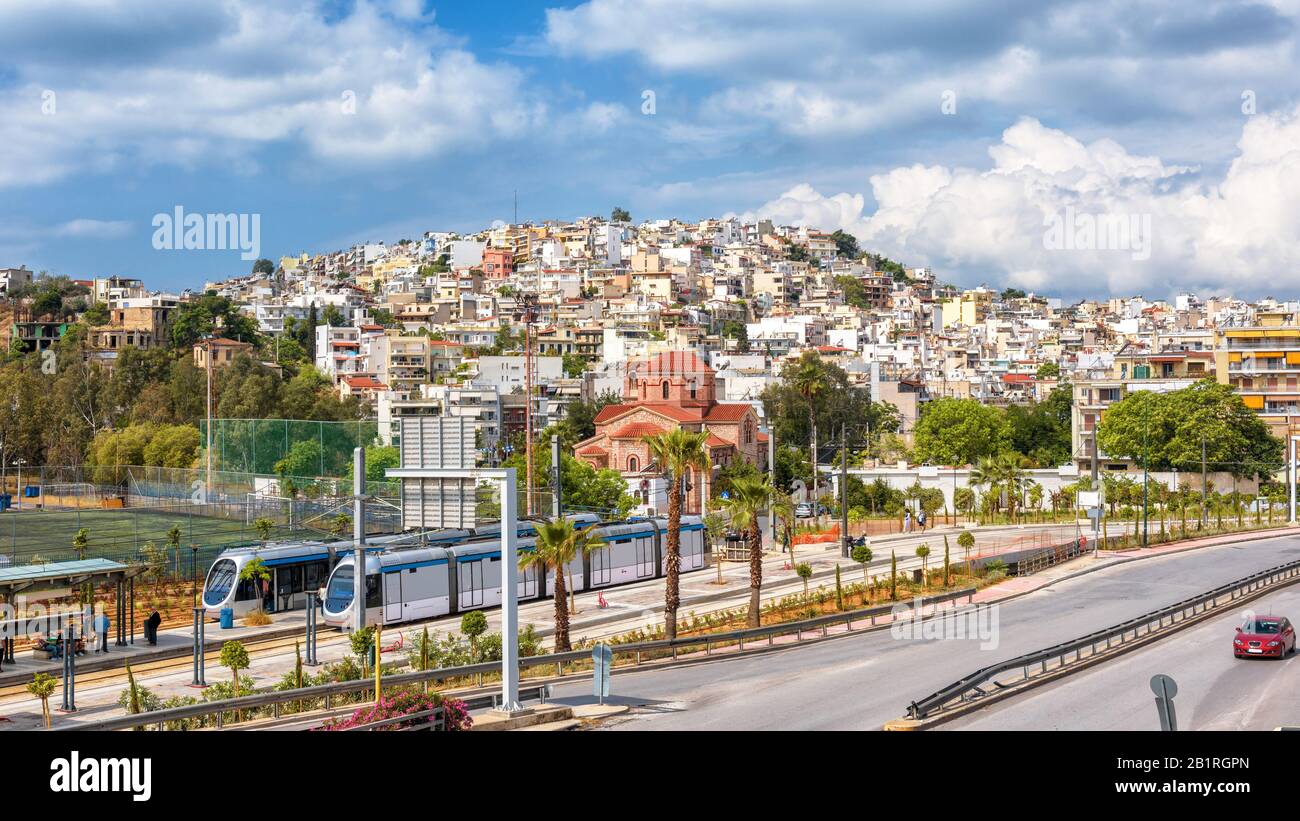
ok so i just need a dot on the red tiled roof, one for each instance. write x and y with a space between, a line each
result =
364 382
727 413
593 449
674 412
716 441
1017 377
636 430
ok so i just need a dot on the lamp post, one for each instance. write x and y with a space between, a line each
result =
194 574
1146 459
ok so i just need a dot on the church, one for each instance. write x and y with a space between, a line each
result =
672 390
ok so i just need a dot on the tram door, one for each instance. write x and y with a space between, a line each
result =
645 558
392 597
600 569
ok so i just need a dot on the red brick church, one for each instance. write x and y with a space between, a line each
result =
668 391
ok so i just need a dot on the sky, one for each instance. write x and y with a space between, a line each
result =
1076 148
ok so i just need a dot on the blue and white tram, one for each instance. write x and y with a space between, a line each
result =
297 568
408 585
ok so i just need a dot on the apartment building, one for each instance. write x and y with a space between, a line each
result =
1261 361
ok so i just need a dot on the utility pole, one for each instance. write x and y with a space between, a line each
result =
844 492
359 536
207 488
1205 519
556 502
1146 459
528 300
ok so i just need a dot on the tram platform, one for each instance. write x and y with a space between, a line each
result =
173 643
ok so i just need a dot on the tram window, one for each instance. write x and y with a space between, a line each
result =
374 594
247 591
317 573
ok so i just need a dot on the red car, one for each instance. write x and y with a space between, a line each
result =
1266 636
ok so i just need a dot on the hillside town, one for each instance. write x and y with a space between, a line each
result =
605 331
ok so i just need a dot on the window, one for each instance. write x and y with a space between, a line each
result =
665 388
633 464
692 388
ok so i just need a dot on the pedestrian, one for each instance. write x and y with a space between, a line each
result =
102 624
907 521
920 520
151 627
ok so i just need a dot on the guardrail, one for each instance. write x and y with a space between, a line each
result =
1052 659
637 653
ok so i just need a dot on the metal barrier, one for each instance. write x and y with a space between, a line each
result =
817 627
1042 662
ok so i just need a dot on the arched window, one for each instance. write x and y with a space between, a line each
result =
692 388
665 389
633 464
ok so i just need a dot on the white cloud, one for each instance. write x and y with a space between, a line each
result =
92 229
991 225
380 85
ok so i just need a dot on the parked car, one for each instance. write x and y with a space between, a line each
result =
1265 636
803 510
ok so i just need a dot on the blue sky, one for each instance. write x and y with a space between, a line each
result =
941 133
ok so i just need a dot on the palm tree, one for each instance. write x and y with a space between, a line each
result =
676 453
986 472
749 495
808 378
558 543
716 526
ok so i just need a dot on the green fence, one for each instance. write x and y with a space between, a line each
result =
257 445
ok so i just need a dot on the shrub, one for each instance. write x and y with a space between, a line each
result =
406 702
257 618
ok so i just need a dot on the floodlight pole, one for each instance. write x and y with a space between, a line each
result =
1291 478
507 480
510 595
359 537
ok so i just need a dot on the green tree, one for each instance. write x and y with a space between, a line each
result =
679 453
263 526
966 540
1166 430
862 555
379 458
960 432
923 553
234 657
893 576
846 245
804 571
474 624
42 687
620 215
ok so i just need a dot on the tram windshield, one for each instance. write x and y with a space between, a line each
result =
220 579
339 593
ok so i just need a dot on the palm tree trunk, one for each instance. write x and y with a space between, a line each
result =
755 572
672 583
561 614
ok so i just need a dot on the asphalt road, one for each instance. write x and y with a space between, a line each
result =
1215 690
861 681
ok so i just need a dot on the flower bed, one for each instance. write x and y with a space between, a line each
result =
403 703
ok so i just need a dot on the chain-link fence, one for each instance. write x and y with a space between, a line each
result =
258 445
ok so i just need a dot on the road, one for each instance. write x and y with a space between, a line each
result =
1215 690
861 681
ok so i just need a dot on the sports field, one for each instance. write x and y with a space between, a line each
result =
119 535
